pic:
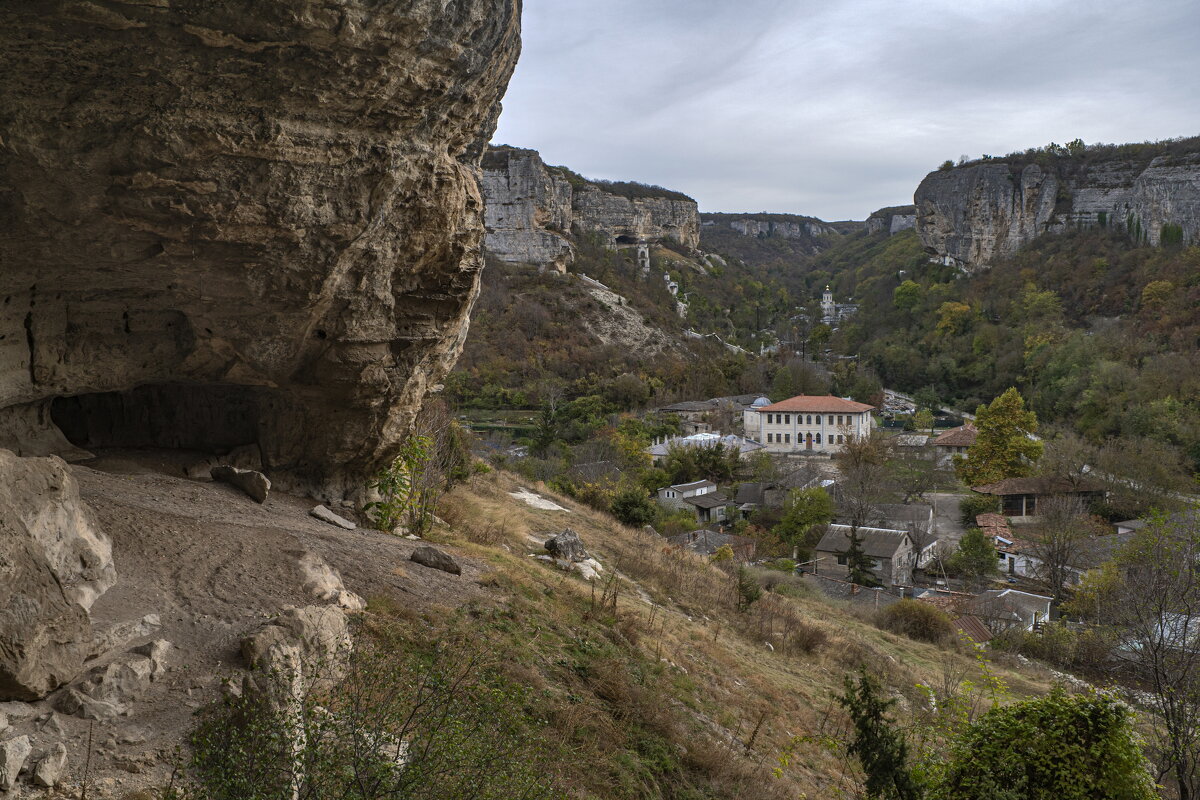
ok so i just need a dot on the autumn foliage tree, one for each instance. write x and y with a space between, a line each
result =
1004 447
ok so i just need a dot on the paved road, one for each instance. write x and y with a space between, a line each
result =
946 522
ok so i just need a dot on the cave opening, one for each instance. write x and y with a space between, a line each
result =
211 418
625 239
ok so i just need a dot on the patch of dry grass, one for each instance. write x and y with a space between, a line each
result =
659 657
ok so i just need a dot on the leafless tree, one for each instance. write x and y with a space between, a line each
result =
1063 540
863 464
1157 608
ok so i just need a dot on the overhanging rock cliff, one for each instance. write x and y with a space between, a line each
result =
240 221
973 214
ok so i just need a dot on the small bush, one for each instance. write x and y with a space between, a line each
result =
977 504
916 620
805 637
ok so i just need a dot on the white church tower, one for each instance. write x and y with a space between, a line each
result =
828 307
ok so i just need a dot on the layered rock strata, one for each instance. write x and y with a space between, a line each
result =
533 211
241 221
974 214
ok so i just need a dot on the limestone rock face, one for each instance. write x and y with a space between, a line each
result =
54 563
241 221
893 220
973 214
532 210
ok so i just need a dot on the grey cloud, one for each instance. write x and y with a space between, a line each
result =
837 108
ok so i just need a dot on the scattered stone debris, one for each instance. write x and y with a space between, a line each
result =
435 559
13 753
325 515
248 456
253 483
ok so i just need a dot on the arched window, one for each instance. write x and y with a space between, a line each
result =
818 438
810 419
818 419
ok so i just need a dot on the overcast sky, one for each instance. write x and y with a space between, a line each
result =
835 108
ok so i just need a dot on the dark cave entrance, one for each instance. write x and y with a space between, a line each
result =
623 239
212 418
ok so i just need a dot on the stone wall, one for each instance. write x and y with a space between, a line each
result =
973 214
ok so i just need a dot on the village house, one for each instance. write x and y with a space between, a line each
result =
659 450
1004 609
1019 557
705 542
954 442
701 497
891 553
1020 497
673 496
702 416
808 424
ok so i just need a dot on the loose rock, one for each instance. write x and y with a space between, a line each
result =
567 546
121 634
324 583
325 515
13 753
307 644
57 562
435 559
78 704
15 710
49 770
253 483
157 651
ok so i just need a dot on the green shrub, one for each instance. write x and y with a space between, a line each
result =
1059 645
632 507
976 504
1057 747
405 722
916 620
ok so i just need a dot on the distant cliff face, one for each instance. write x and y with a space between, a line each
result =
532 211
241 221
973 214
893 220
765 226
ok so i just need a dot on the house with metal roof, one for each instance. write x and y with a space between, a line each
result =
808 423
892 554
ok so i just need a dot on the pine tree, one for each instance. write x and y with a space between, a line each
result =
878 745
858 562
1003 448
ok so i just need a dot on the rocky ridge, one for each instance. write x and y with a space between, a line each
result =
533 211
972 214
237 222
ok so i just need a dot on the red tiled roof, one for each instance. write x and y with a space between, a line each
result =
817 404
994 524
962 436
973 627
